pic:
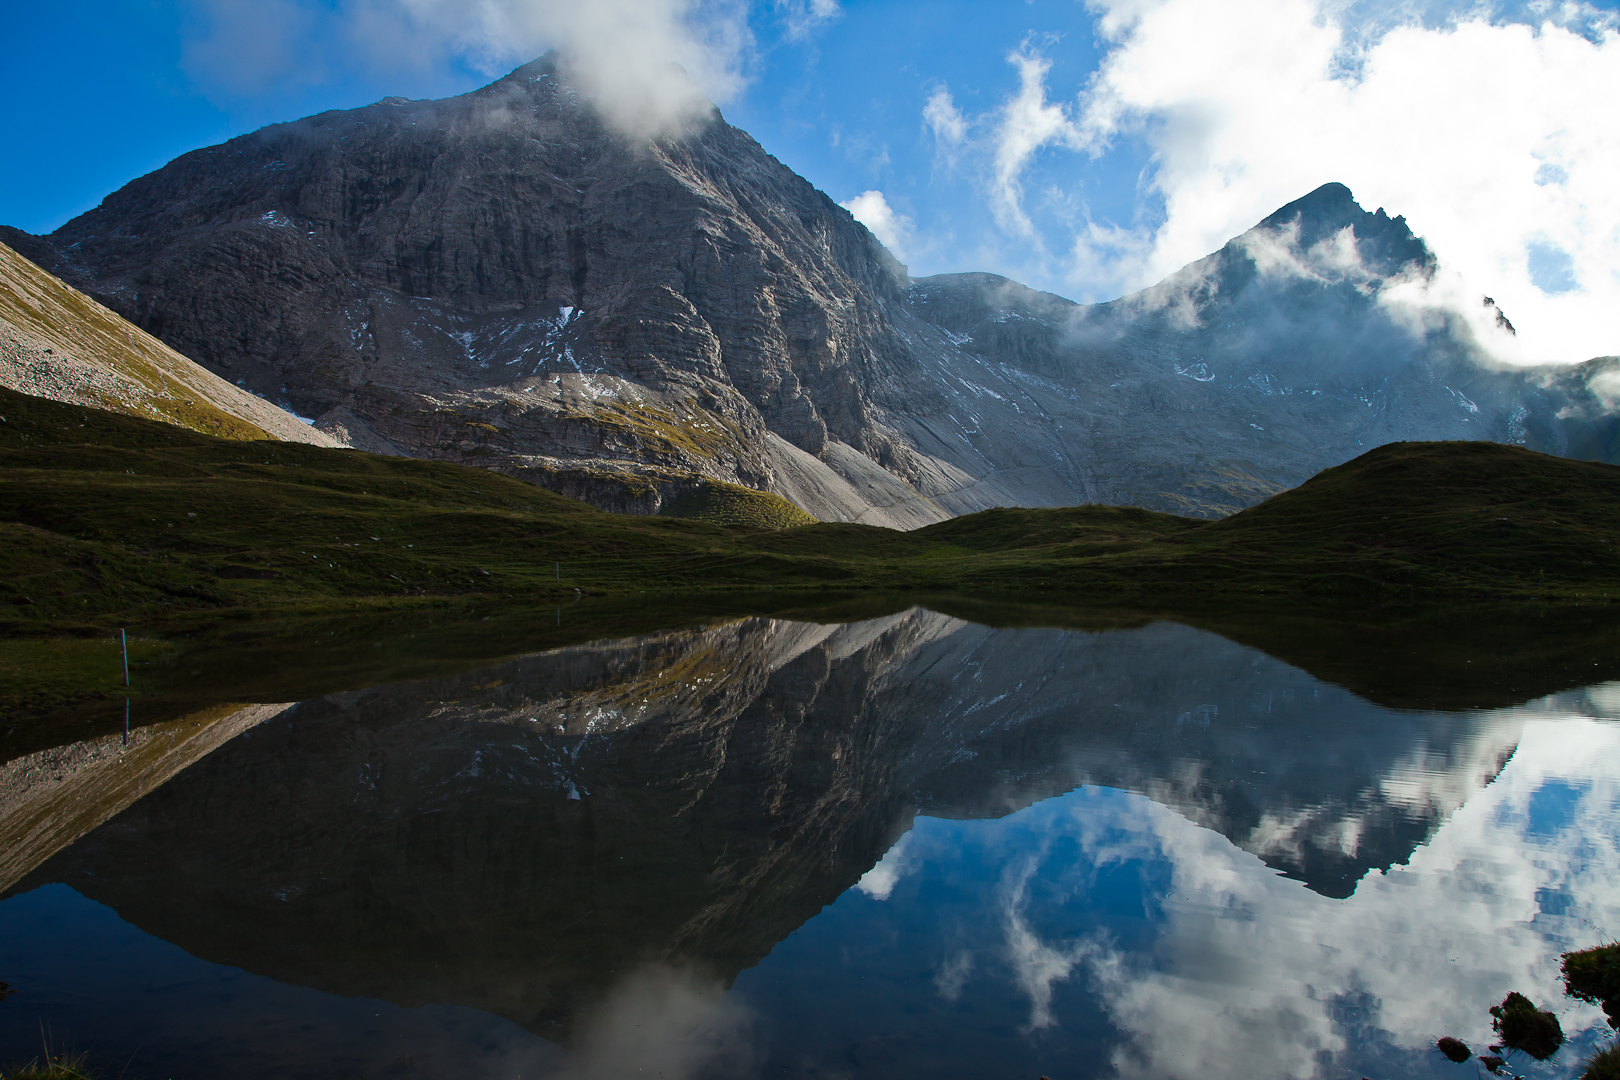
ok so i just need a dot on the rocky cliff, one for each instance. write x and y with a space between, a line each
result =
1297 346
501 279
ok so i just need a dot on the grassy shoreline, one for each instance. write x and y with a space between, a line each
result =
107 520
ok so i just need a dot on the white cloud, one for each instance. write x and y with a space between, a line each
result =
879 882
1497 142
803 17
954 974
663 1022
944 119
1249 972
871 209
1027 124
649 65
1036 964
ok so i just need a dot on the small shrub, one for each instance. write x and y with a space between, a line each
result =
1593 975
1454 1049
55 1067
1524 1027
1603 1065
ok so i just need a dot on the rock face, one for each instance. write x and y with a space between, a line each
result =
500 279
521 838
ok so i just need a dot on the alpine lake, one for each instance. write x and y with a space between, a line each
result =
932 841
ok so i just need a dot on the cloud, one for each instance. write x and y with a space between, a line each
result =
649 65
879 882
953 975
1037 966
871 209
803 17
1027 124
943 118
1252 974
1495 140
665 1022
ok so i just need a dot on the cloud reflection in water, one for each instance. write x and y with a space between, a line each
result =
664 1022
1250 974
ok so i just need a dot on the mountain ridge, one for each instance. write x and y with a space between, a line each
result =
499 279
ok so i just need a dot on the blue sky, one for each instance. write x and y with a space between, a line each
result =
842 107
1085 148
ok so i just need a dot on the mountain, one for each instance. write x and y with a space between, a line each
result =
518 839
1282 354
60 344
501 279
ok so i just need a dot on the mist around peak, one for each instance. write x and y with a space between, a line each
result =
649 67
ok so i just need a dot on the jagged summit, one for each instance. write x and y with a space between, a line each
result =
1386 244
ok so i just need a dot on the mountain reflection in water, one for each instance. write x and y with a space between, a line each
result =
910 847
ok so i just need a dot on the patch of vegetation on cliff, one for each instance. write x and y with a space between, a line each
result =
731 504
695 433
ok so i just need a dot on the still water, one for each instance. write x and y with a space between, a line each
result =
909 847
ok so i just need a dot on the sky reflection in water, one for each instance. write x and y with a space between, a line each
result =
1106 932
1091 886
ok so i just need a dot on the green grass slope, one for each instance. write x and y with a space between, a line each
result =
1449 517
103 360
732 504
102 514
111 520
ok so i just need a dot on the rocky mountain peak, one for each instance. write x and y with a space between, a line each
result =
1386 245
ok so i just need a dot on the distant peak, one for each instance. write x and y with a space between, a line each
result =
1331 209
539 66
1329 203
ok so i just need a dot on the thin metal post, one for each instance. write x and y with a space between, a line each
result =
559 571
123 639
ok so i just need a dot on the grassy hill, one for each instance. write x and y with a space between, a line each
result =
59 343
731 504
111 520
